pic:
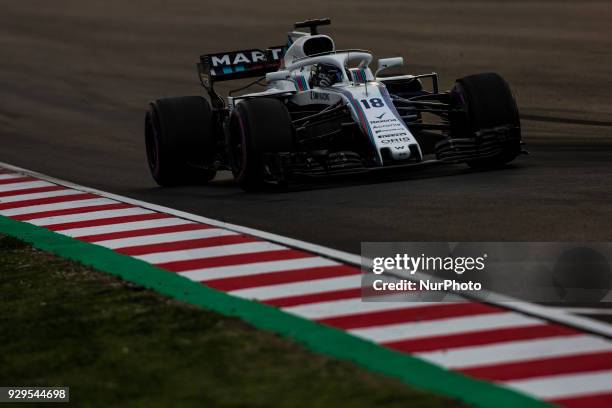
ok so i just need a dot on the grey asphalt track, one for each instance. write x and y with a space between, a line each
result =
75 78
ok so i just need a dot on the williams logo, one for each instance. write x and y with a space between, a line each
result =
380 117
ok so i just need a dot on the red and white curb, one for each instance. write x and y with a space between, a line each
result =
523 351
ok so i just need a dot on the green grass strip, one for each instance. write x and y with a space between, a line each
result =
316 337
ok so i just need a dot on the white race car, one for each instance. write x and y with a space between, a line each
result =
323 111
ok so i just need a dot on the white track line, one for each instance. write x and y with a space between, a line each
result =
565 386
89 216
165 237
515 351
299 288
9 176
587 310
34 196
56 206
345 307
26 185
256 268
210 252
125 226
504 301
447 326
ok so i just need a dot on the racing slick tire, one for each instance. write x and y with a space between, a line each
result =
257 126
179 139
484 102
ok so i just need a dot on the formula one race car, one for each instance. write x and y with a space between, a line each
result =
323 111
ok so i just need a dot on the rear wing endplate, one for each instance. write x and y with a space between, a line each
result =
232 65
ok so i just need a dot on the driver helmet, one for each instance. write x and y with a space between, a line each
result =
325 75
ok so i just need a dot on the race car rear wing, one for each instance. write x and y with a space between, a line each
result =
227 66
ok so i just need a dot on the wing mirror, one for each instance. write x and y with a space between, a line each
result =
277 76
386 63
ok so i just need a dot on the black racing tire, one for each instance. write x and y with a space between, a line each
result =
180 142
257 126
485 101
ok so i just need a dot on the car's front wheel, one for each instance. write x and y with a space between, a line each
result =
256 127
483 107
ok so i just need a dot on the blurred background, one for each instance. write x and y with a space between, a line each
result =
88 68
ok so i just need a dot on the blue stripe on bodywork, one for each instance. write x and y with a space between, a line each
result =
364 122
304 83
389 102
301 83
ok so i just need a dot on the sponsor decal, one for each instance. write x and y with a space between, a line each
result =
390 129
392 135
238 58
317 96
387 125
384 120
395 140
244 57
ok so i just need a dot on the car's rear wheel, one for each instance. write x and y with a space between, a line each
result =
179 139
479 104
257 126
